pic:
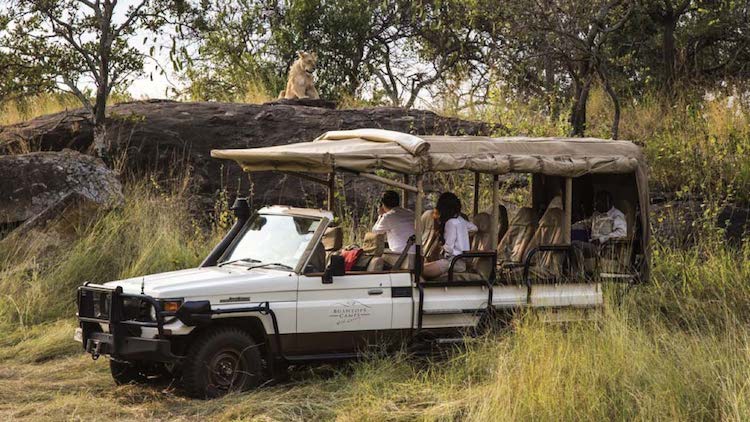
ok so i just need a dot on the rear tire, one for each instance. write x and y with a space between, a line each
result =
221 361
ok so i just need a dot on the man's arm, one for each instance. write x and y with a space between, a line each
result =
619 227
381 226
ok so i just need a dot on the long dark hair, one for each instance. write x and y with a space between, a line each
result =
449 206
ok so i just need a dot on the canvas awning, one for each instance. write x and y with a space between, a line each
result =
368 150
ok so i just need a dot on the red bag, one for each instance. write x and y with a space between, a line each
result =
350 257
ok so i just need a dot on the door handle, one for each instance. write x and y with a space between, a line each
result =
373 292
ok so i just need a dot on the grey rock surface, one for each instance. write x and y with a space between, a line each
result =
32 183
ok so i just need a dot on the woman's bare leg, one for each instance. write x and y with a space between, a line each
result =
432 270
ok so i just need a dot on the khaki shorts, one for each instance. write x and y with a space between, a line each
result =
445 265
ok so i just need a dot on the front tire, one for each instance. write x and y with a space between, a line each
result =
221 361
127 373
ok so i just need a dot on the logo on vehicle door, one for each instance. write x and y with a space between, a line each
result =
348 312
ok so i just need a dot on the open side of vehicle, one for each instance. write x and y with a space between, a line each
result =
275 291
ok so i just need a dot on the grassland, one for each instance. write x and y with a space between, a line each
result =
678 348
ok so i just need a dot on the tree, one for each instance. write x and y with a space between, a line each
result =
558 48
87 42
23 72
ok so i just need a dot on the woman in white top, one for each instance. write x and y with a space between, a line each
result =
453 230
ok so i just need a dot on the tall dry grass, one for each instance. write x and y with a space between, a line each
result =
152 232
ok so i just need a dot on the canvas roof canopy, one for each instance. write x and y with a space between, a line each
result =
367 150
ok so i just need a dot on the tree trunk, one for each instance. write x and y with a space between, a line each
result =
615 103
100 144
549 87
668 55
578 112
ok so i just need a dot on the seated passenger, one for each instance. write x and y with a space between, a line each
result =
453 231
395 222
607 223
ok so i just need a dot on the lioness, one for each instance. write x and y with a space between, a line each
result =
300 82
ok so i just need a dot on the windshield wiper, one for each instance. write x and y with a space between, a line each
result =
248 260
268 264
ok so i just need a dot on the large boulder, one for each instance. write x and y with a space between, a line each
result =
171 137
40 183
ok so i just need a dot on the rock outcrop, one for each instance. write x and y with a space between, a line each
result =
172 137
41 184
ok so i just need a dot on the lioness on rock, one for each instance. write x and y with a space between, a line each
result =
300 82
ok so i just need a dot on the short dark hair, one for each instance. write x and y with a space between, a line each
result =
604 195
604 198
390 199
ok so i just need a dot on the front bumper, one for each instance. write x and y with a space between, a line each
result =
101 305
129 348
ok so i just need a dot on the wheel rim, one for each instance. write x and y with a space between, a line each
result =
227 370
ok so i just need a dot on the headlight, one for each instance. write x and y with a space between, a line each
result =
152 313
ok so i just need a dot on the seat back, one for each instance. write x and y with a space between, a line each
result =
430 238
514 244
502 222
374 244
333 239
550 232
482 242
376 264
627 208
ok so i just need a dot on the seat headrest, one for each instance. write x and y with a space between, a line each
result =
483 221
374 244
427 221
333 239
524 216
556 202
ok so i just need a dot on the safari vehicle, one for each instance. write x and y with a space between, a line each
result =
275 291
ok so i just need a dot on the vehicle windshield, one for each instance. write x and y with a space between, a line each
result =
272 240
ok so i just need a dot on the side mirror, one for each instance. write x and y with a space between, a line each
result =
335 268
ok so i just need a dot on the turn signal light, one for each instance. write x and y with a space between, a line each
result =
171 306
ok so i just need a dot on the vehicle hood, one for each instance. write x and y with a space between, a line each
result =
207 282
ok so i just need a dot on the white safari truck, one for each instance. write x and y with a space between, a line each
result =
275 291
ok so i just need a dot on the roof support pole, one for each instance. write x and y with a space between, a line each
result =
405 199
383 180
477 180
331 183
495 209
418 205
568 210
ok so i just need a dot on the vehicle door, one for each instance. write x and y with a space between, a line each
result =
344 316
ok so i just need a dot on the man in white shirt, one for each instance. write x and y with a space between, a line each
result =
607 222
395 222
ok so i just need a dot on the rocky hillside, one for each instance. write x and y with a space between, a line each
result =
170 137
